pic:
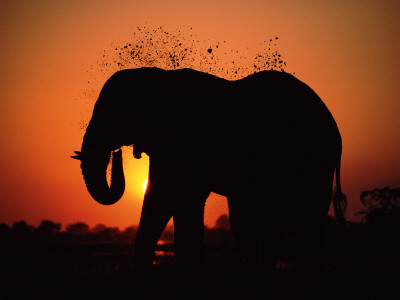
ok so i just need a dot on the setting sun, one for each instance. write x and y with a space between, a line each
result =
145 185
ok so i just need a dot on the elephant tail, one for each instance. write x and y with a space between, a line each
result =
339 199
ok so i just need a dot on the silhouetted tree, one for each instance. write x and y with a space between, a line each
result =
22 228
104 233
383 228
223 222
4 229
130 232
78 229
221 233
385 198
110 233
49 227
383 205
99 228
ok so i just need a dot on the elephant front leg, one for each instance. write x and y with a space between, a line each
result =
155 215
175 189
186 206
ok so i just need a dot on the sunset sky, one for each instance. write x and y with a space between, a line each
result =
347 51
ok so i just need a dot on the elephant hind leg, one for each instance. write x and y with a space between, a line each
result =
310 221
188 219
257 240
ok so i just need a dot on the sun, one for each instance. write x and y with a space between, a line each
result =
145 185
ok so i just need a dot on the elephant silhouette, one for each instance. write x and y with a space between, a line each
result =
267 142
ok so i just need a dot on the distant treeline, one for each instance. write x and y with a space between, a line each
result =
82 231
382 212
78 231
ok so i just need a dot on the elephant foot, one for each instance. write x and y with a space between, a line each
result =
143 262
190 265
259 265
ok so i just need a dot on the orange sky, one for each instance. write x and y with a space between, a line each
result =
347 51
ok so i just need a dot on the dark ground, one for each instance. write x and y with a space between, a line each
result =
359 263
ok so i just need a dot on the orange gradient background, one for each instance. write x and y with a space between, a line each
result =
347 51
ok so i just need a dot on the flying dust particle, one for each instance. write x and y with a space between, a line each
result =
170 50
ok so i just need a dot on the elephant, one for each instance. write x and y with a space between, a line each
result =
267 142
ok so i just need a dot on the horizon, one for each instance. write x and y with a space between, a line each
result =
63 227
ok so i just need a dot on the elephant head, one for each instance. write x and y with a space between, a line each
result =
132 109
109 129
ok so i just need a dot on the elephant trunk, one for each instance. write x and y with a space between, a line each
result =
94 164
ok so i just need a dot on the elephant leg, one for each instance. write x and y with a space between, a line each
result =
156 213
240 221
316 197
174 190
189 228
157 210
256 241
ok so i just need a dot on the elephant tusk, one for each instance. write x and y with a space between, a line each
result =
79 155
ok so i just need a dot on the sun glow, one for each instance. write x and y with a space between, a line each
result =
145 185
